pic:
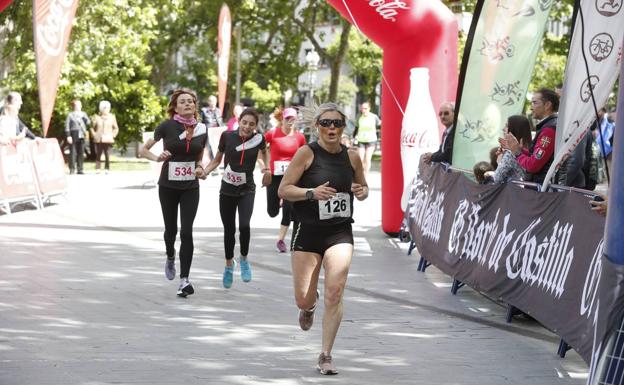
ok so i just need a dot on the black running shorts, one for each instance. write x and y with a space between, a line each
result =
317 239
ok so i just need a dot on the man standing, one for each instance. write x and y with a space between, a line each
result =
604 135
366 135
445 152
211 117
537 160
75 131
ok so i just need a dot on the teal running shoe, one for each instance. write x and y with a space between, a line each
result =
245 269
228 275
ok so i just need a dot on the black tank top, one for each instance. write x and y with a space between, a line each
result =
337 170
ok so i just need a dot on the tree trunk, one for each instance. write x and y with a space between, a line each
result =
337 61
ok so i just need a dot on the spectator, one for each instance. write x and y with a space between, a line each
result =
600 204
366 135
103 132
75 131
604 135
559 89
12 106
445 152
211 116
508 167
537 159
574 170
480 169
232 124
8 124
612 115
494 153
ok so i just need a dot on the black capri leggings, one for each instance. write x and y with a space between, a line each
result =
227 208
188 200
273 201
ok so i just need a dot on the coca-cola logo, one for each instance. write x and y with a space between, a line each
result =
51 32
387 10
414 139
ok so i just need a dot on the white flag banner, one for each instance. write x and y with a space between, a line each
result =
601 40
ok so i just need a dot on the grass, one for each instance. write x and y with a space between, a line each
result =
120 164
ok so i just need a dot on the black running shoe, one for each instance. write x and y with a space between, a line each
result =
185 288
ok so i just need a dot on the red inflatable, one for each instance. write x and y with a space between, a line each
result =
4 4
411 33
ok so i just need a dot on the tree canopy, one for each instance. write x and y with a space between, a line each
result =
132 52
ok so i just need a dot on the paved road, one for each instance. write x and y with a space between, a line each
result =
85 301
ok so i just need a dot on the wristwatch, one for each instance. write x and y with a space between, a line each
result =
310 194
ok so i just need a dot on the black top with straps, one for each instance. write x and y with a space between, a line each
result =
179 170
240 161
338 171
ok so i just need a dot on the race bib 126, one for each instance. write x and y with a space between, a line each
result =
339 206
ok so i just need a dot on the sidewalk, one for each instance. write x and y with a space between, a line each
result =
86 302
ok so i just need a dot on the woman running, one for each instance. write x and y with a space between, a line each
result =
238 190
322 180
184 143
283 143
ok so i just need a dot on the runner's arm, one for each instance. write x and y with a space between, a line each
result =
359 187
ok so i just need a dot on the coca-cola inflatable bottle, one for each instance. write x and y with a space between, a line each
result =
419 131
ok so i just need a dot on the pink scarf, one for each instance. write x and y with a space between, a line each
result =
185 121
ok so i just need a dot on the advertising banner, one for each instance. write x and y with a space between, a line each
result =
223 53
540 252
607 356
17 175
49 166
598 37
52 24
493 85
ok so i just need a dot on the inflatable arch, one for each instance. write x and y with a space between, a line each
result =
412 33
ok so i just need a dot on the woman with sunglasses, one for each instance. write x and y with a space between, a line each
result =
184 142
238 190
322 180
283 143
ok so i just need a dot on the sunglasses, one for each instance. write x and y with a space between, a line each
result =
338 123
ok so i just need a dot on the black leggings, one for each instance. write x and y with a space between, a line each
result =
227 208
273 201
188 200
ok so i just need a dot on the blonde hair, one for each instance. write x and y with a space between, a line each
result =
309 116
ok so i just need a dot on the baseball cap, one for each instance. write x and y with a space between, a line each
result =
289 113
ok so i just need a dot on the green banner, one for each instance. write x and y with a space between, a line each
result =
493 87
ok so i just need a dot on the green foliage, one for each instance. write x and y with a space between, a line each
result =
365 58
105 61
548 71
346 92
266 99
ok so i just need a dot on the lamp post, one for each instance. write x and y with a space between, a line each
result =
312 61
